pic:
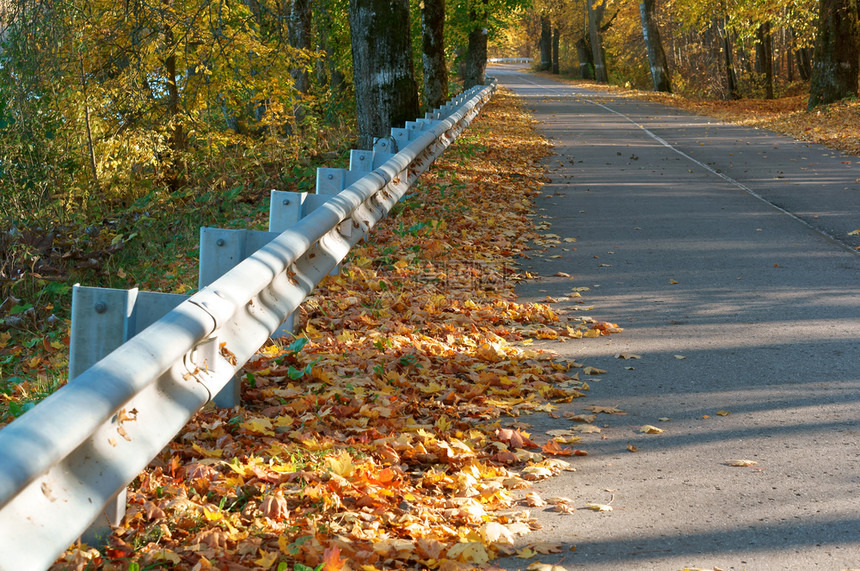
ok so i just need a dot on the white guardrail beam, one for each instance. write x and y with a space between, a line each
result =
63 461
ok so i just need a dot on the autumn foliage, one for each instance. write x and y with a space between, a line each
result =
378 438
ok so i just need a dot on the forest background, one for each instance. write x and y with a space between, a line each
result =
126 125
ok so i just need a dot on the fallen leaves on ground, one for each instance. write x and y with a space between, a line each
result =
377 436
740 463
599 507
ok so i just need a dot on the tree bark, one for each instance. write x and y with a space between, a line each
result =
731 78
386 94
299 31
586 59
555 39
764 57
801 55
595 17
476 52
837 46
177 134
654 46
435 67
87 123
545 44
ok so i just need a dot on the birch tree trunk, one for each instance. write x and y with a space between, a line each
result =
386 94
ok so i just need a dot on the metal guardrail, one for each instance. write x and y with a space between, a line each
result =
510 60
65 460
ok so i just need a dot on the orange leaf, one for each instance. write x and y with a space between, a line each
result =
552 448
332 560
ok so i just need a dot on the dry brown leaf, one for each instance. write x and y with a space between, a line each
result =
593 371
585 428
534 500
605 409
536 473
564 508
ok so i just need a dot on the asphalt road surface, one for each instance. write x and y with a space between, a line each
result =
725 254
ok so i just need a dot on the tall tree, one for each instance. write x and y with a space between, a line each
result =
724 32
764 56
595 19
837 46
299 31
555 40
476 51
586 58
654 46
386 94
545 43
433 43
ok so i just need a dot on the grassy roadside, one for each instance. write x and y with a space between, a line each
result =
836 126
151 244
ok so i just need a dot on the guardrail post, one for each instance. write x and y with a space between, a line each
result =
331 181
102 320
221 250
366 161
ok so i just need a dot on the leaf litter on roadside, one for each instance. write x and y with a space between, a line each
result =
376 437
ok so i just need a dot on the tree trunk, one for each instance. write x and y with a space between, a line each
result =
731 79
801 55
586 59
177 135
435 68
386 94
764 57
545 44
299 35
595 17
837 47
654 46
476 52
555 39
87 124
299 30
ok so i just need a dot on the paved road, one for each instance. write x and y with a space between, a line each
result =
754 228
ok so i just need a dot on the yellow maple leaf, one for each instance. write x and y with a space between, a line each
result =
469 552
267 559
212 515
341 464
206 452
259 426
